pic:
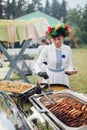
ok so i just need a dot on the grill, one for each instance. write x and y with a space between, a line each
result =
68 112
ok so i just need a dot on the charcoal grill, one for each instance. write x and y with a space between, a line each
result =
68 113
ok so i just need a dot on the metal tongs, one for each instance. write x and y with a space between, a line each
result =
49 88
50 100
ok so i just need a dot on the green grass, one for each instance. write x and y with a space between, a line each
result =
79 81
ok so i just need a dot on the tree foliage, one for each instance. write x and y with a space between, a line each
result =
14 8
56 9
10 9
35 5
84 19
63 10
83 26
21 8
1 8
74 16
77 18
47 7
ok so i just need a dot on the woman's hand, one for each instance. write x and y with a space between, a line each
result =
71 72
43 74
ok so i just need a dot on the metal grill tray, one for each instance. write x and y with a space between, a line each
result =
50 117
27 92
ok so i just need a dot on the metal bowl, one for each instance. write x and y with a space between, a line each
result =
56 87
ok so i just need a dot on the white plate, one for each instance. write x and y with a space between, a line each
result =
70 72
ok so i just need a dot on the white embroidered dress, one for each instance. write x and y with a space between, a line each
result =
58 59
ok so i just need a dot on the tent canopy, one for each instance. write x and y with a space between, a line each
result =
19 30
38 14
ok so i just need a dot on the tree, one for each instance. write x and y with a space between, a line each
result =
1 9
20 8
83 25
77 18
84 19
47 7
74 16
30 8
15 8
56 9
73 19
40 7
35 5
63 10
10 9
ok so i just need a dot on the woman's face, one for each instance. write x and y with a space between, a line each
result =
58 41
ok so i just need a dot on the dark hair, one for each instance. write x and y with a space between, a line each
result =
43 40
59 33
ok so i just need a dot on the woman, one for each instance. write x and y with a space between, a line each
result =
58 57
43 44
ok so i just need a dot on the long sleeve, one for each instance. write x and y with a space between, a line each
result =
69 65
41 59
40 49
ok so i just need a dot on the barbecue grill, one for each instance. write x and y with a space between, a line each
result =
68 112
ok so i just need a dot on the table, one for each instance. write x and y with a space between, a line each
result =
14 61
26 68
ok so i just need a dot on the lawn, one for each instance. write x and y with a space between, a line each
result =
79 81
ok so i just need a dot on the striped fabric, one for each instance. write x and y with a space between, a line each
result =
59 59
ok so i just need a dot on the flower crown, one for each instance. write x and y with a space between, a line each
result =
61 29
